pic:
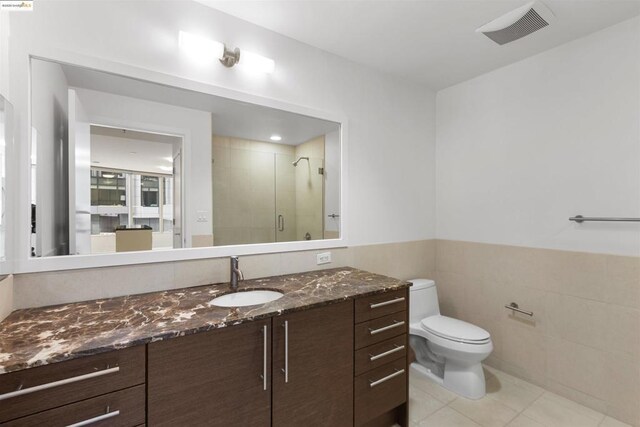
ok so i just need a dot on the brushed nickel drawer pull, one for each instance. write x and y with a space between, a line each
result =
286 351
384 303
96 419
264 357
396 349
373 383
59 383
396 324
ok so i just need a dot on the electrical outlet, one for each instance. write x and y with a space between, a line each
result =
323 258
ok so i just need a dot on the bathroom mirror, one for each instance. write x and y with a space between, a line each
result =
121 164
6 137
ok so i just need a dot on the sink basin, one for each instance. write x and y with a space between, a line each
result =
241 299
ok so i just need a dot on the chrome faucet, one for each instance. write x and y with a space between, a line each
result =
235 274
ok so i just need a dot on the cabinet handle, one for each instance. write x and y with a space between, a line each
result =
395 324
286 351
396 349
264 358
382 304
59 383
96 419
373 383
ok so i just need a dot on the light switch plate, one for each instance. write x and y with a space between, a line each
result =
323 258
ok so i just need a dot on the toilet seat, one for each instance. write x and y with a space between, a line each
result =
455 330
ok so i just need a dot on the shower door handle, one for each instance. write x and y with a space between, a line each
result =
280 223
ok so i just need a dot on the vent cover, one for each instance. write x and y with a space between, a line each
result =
517 23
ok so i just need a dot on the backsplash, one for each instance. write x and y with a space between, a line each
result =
405 260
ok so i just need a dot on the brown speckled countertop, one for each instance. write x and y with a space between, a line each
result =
39 336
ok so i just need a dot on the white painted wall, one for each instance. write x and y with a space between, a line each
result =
115 110
50 119
391 122
523 148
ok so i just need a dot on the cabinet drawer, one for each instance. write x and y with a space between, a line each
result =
379 305
380 390
379 354
62 383
381 329
123 408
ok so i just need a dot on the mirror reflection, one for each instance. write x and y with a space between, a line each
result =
120 164
5 137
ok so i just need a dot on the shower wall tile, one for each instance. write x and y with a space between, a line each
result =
583 341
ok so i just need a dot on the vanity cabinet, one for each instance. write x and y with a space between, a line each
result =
215 378
107 386
381 384
313 367
218 378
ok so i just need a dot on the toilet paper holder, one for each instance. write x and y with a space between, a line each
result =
514 306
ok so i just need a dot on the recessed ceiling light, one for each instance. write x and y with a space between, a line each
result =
275 138
133 152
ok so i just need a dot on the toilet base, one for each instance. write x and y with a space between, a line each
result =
426 373
463 379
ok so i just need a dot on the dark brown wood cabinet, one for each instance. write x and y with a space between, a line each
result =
381 368
61 385
313 367
215 378
342 364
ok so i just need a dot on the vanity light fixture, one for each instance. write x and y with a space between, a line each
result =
204 50
275 138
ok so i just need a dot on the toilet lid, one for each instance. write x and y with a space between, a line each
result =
455 330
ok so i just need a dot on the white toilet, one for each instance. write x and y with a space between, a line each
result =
448 351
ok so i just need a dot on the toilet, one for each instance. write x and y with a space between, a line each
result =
448 351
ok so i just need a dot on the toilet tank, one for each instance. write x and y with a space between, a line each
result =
423 301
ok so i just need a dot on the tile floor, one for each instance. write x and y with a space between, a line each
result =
510 402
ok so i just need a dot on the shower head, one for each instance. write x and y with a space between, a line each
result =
298 161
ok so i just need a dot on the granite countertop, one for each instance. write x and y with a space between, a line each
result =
39 336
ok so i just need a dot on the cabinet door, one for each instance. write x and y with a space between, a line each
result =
313 367
212 379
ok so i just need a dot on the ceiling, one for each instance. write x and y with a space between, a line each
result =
129 150
228 117
430 41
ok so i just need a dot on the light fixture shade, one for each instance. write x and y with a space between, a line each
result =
200 48
255 62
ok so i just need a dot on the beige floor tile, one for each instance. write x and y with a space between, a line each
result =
512 394
552 411
447 417
428 386
421 404
574 406
487 412
611 422
522 421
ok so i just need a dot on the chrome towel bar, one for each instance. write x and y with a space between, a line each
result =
514 306
580 219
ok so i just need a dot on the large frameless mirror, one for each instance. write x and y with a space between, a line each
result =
120 164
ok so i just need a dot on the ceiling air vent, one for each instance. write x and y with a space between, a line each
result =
518 23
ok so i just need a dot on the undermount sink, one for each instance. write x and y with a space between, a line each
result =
244 298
